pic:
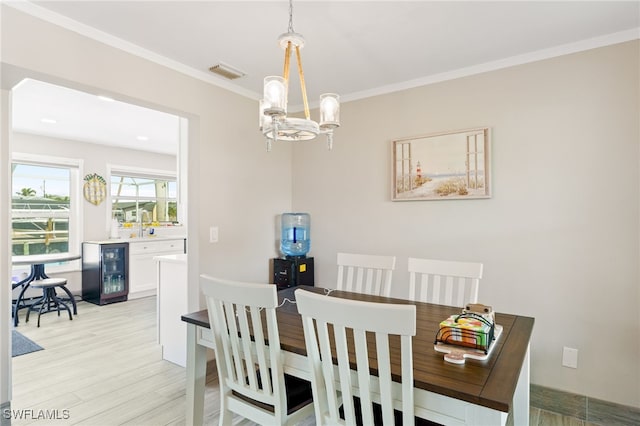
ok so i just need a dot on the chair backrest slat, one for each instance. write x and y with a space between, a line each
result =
407 387
444 282
344 370
364 378
355 324
384 370
234 351
367 274
326 369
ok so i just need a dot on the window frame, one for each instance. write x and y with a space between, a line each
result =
140 172
76 226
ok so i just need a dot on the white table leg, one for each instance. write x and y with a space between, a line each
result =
521 396
196 377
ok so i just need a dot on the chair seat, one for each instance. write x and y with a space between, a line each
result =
377 415
50 302
48 282
299 394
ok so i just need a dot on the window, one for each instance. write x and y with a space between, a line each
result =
44 205
143 197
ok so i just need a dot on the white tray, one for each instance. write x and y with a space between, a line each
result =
457 354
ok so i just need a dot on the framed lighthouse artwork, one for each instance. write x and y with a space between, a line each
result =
443 166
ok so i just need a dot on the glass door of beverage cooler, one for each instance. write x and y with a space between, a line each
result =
114 281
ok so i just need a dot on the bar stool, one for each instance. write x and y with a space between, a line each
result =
49 297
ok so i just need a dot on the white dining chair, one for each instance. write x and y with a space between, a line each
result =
364 273
250 372
355 326
444 282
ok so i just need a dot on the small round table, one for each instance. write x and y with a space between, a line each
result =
37 262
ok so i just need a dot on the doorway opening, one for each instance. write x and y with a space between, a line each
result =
96 155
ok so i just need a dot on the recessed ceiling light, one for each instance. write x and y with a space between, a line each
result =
142 138
48 120
105 98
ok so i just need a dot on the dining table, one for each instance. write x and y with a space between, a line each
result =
477 392
37 263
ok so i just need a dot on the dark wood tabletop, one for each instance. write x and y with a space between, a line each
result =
490 383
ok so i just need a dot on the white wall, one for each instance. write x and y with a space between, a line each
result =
233 182
558 239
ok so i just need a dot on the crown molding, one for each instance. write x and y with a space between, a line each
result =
539 55
85 30
118 43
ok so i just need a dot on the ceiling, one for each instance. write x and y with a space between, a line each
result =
354 48
46 109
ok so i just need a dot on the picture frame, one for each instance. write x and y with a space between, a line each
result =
443 166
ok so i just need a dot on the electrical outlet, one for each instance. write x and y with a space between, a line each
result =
213 234
569 357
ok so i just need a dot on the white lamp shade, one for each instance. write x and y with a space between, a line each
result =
329 111
275 96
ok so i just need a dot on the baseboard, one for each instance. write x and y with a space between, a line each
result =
144 293
582 407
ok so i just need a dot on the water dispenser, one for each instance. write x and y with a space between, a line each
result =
295 268
295 234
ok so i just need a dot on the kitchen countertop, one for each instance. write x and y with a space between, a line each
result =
137 240
172 258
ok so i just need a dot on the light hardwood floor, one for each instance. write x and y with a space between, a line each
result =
105 368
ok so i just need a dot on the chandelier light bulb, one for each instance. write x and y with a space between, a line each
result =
275 95
329 111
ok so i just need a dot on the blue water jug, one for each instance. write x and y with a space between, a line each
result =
295 234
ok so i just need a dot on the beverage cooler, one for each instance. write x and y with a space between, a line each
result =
105 272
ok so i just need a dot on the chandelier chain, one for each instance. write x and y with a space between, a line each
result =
291 17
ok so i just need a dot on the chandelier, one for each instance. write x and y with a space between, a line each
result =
274 122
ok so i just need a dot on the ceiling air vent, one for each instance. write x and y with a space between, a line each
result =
227 71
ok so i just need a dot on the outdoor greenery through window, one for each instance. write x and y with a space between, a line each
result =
143 199
41 208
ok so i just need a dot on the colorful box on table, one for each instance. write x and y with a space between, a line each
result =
471 331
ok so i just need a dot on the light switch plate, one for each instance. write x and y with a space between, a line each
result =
213 234
569 357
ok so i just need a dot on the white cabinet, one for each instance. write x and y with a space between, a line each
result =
142 268
172 304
